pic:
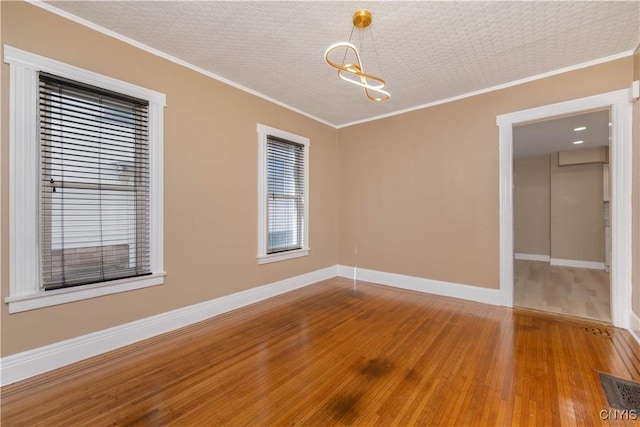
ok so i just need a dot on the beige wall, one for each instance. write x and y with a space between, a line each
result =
577 223
419 191
532 205
210 183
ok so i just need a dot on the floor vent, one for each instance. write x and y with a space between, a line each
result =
600 331
621 394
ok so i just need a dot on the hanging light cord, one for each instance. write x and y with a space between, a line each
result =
375 49
345 52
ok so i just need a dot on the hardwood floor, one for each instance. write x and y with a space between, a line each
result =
571 291
329 354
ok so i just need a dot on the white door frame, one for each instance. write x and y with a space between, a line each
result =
619 103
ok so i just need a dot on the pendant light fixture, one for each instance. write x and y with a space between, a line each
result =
354 72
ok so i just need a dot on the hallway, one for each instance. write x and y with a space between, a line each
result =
564 290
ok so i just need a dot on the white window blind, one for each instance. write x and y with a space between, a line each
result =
94 194
285 195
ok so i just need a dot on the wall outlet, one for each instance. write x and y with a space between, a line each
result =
635 90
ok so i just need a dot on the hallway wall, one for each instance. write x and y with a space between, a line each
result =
558 210
532 205
577 222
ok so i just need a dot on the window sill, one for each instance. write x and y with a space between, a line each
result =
265 259
63 296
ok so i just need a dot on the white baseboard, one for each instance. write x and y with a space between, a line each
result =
33 362
561 262
436 287
634 326
577 263
532 257
346 272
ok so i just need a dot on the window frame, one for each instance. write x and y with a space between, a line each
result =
25 290
263 257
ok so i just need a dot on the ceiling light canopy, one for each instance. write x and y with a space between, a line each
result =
353 72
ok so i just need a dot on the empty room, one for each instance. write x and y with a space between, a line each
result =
316 213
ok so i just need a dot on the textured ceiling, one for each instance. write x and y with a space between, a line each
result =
426 51
550 136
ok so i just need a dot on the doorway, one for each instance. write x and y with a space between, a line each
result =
560 209
620 161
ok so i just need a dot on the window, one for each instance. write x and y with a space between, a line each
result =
94 177
85 184
283 205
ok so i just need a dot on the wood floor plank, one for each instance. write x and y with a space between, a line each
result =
332 354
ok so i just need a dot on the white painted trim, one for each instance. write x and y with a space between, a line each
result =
50 8
621 168
594 265
494 88
532 257
263 132
36 62
156 187
33 362
346 272
268 130
604 100
282 256
436 287
505 157
24 175
65 295
561 262
634 326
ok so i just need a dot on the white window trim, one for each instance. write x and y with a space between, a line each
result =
263 257
25 291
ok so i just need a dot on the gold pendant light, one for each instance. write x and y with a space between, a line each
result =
354 73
